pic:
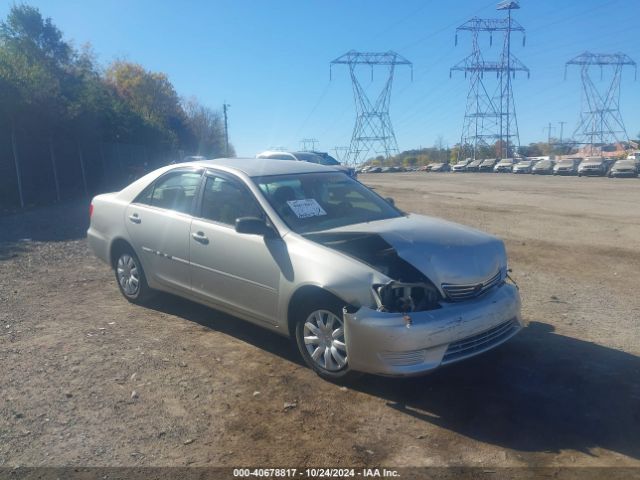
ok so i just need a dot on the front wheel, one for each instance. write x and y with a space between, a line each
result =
320 339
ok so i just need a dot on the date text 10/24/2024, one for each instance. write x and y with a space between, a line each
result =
315 472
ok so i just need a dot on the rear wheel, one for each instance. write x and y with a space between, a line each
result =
319 332
130 277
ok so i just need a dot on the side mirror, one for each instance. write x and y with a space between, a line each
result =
253 226
391 201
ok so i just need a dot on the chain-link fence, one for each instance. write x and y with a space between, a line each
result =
37 171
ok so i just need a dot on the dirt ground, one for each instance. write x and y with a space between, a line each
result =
91 380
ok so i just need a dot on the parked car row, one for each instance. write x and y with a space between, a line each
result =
590 166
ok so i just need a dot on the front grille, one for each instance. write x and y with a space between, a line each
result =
460 293
480 342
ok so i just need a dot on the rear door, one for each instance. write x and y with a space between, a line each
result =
237 271
159 221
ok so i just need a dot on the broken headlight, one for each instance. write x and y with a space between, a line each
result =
406 297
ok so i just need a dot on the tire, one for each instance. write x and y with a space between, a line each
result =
324 311
130 277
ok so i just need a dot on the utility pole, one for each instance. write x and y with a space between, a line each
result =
561 131
226 129
548 129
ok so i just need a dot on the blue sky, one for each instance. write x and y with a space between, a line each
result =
270 59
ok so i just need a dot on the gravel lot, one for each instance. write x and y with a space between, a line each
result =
90 380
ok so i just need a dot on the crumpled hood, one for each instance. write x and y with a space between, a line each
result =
445 252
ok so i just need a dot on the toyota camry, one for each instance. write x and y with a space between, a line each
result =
310 253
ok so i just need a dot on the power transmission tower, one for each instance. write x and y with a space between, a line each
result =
341 153
490 115
305 142
600 119
372 131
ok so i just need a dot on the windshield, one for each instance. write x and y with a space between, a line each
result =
524 163
566 163
320 201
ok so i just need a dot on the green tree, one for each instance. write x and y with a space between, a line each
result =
207 128
152 96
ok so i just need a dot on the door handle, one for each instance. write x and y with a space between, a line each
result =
135 218
200 237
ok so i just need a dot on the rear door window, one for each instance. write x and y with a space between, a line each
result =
173 191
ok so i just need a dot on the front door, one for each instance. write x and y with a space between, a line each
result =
237 271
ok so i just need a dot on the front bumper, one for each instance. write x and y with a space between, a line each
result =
591 173
623 174
383 344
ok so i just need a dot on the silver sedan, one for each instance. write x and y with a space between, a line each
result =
306 251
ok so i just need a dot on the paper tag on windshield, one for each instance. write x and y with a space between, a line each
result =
306 208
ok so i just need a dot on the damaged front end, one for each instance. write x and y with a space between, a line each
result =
408 325
404 297
409 291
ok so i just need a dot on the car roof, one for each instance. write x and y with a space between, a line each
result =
256 167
